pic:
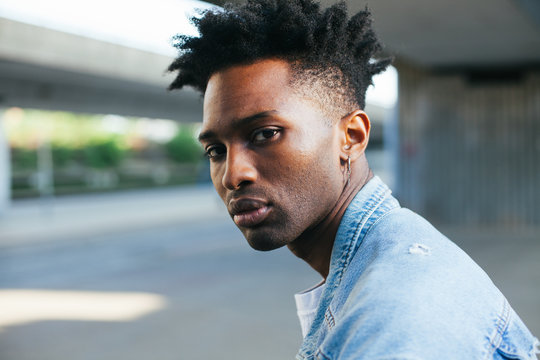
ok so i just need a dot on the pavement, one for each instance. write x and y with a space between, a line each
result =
155 274
32 221
216 297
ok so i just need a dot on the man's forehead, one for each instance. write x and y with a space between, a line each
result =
260 70
243 90
265 76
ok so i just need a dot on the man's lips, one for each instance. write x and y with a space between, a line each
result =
248 212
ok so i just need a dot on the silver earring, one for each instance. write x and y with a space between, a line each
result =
348 170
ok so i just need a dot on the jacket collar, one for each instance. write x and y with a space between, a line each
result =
370 203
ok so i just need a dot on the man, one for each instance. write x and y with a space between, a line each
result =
284 86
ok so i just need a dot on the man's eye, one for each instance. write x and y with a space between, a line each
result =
214 151
264 134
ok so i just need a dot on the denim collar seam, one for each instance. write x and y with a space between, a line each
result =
381 194
374 199
500 328
381 217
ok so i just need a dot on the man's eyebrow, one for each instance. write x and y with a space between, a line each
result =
238 123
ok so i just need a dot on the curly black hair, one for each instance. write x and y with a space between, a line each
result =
326 50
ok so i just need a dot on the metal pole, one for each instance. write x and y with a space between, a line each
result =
45 169
5 169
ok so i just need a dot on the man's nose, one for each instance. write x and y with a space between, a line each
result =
239 169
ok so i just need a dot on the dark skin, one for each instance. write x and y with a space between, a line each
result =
278 163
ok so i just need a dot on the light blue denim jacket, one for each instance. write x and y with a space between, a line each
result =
399 289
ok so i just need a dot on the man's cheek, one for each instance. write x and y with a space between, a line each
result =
216 177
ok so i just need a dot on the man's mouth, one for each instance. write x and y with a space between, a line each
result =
248 212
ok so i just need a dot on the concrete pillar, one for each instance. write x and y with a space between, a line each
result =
5 168
45 168
469 146
391 147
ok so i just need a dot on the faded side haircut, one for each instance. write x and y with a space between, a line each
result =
332 56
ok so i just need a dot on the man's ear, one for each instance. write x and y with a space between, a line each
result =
355 129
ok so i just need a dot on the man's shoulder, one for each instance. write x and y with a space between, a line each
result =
416 263
411 288
402 239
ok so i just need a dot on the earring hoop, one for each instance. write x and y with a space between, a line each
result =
348 170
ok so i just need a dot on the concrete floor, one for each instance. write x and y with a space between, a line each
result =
222 299
218 298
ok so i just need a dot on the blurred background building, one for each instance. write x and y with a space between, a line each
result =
462 146
84 110
75 59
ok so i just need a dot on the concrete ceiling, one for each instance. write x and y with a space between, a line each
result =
47 69
456 33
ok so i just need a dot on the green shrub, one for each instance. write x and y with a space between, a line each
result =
62 155
183 148
23 159
104 154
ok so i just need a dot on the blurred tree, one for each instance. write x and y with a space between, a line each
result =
183 147
103 154
23 159
62 155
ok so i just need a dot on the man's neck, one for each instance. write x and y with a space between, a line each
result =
315 245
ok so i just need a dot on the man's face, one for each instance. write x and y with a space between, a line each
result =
274 157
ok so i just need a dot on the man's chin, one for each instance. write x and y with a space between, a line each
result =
263 241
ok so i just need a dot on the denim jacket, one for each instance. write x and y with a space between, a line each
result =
399 289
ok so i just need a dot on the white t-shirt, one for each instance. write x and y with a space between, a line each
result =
306 305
